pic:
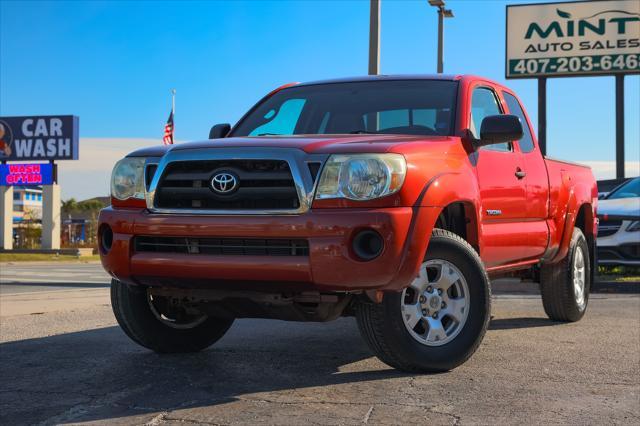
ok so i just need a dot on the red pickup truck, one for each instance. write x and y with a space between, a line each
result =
389 198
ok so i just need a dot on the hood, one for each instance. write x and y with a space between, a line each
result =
150 151
625 207
317 144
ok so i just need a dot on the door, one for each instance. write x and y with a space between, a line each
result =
536 184
503 197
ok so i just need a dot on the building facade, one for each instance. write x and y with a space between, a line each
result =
27 203
27 216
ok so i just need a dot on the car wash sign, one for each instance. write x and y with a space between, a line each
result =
573 38
39 138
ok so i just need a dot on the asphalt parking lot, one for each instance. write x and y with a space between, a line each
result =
64 360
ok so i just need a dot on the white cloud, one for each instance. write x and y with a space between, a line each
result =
89 176
607 169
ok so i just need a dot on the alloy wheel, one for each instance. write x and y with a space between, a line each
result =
435 306
579 276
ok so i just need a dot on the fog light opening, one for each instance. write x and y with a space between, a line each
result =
367 245
105 236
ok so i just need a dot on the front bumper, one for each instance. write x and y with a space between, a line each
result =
626 254
329 266
620 248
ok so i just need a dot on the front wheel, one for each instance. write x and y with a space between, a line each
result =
437 322
159 325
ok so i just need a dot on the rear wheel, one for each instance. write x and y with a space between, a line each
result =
565 285
437 322
158 324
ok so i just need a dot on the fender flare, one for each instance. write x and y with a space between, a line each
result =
442 185
426 211
578 197
567 230
449 188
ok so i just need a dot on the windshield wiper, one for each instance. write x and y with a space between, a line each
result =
269 134
362 132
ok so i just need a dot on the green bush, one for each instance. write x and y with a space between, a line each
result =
620 270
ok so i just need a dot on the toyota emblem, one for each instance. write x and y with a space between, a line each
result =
224 183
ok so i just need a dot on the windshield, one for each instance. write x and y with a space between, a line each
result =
629 189
403 107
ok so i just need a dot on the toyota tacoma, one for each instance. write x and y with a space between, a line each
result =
393 199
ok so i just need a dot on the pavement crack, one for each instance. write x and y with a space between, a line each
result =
323 402
367 416
455 419
77 411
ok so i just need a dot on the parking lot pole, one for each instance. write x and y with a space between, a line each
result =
619 126
51 224
440 41
6 217
542 114
374 38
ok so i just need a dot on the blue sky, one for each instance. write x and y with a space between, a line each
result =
113 64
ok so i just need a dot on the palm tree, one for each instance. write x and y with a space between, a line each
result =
67 209
89 209
69 206
92 209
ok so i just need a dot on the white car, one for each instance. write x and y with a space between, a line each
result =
619 229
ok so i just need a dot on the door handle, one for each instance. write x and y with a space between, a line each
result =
520 173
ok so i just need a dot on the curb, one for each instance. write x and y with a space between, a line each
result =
514 287
615 287
49 262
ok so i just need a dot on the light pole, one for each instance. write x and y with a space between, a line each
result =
442 13
374 37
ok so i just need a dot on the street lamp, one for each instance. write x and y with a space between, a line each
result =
374 37
442 13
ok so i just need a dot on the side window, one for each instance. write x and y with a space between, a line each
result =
483 104
526 143
281 121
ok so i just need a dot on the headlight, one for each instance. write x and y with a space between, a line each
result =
634 226
127 179
361 176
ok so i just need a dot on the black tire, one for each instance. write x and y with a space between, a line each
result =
559 296
134 315
383 328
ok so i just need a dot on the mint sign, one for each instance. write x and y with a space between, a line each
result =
573 38
39 138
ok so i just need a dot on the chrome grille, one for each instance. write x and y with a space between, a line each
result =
262 184
282 181
608 227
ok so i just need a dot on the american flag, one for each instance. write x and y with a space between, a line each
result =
168 131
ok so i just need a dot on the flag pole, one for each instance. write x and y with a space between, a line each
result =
173 111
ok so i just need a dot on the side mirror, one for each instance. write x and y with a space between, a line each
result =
499 129
219 131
